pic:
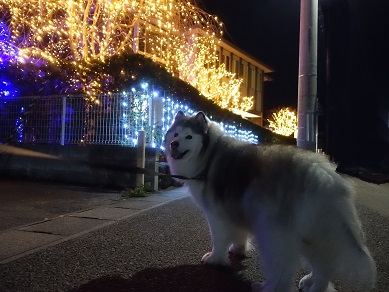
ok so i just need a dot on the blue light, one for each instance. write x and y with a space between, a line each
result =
7 89
19 126
7 51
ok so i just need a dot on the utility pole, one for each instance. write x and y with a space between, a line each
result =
307 76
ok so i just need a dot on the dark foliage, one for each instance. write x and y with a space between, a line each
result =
120 73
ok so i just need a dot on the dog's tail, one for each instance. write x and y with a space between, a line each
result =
357 265
361 271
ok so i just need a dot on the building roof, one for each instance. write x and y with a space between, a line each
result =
236 50
239 52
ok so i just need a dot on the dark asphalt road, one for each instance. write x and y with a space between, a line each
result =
157 250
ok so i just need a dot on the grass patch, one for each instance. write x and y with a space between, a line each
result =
137 192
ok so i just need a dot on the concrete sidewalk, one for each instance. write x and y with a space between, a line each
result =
27 239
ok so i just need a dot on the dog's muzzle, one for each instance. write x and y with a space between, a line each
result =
174 152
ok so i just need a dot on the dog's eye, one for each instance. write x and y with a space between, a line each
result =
175 134
189 137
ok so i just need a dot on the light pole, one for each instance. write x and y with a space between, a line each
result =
307 76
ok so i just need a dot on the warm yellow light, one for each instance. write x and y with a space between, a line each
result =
175 33
283 122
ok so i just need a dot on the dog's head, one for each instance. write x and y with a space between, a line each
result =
187 139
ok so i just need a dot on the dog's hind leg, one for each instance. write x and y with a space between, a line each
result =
319 256
280 255
239 243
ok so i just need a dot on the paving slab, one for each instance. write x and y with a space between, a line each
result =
15 242
154 198
175 192
135 204
106 213
65 225
27 239
23 202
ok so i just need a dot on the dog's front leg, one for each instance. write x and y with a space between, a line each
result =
221 241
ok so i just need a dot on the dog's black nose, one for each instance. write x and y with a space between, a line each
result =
174 145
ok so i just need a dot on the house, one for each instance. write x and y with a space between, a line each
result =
155 37
252 71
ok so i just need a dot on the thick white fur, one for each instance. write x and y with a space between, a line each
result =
296 207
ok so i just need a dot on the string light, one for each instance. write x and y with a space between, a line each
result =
138 114
173 104
7 54
19 126
283 122
175 33
7 51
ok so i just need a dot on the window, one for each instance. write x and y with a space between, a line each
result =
236 68
251 78
243 73
258 86
228 63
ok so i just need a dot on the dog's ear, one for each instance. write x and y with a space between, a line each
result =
202 119
179 115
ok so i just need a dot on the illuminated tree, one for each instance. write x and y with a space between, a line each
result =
7 54
199 67
72 30
283 122
77 32
7 51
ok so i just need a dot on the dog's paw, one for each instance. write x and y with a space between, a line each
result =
210 259
238 251
305 283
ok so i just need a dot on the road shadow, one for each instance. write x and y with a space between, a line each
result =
185 278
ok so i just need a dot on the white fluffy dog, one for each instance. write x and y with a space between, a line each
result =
290 201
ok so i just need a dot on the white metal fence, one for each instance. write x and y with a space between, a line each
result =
112 119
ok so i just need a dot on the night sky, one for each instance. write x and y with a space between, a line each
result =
268 30
353 67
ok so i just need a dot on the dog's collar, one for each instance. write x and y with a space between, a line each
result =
199 177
